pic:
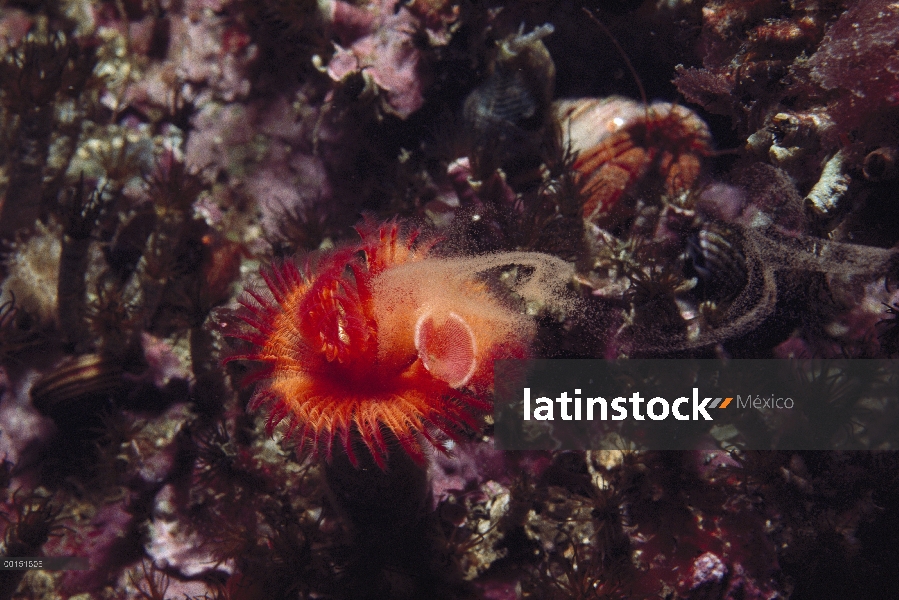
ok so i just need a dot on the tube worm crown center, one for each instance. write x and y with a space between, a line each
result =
447 349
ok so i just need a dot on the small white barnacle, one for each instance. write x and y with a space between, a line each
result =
826 194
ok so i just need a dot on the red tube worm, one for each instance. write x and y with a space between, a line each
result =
378 338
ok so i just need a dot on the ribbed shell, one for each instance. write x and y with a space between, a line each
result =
716 259
505 116
77 384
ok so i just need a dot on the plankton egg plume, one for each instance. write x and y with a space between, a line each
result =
381 341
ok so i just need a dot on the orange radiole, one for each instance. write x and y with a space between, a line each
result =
382 340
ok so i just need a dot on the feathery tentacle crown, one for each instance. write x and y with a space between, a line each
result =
376 338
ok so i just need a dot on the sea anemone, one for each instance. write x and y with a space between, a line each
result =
379 341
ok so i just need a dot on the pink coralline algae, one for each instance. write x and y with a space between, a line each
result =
21 426
14 24
282 176
103 538
707 569
858 59
204 61
173 545
470 465
386 54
